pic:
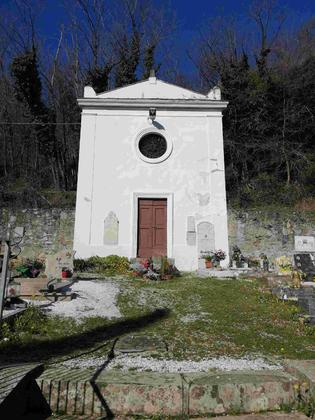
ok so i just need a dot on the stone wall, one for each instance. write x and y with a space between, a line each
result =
47 231
254 231
268 230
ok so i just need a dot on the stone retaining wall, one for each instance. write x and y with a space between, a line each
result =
47 231
269 231
254 231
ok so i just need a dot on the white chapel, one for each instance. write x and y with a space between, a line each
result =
151 179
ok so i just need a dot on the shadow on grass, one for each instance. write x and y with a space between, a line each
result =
46 349
155 316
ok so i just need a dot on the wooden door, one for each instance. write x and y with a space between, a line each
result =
152 231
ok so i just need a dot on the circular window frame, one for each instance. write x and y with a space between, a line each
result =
166 154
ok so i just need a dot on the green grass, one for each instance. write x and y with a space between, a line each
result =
207 317
34 336
212 317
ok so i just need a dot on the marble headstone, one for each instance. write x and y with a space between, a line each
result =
56 262
205 235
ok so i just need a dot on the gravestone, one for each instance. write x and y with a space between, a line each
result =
205 235
304 243
111 227
305 263
56 262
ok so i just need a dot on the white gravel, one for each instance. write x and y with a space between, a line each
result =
140 364
94 298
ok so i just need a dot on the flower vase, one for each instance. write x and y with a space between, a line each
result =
208 264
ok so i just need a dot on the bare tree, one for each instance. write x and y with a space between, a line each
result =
269 20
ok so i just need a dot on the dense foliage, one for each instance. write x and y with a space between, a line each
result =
112 264
269 133
269 125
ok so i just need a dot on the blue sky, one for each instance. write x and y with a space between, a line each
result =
191 14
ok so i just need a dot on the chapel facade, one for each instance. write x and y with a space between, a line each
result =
151 178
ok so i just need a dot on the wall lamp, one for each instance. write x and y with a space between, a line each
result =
152 114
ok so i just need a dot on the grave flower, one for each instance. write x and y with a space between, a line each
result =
219 255
284 264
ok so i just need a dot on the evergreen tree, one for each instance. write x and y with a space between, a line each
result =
98 78
28 90
27 83
148 60
128 61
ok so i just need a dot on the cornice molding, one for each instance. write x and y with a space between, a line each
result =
144 104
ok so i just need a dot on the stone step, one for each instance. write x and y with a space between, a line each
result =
69 391
304 370
265 416
262 416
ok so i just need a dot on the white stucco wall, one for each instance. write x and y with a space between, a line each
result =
112 176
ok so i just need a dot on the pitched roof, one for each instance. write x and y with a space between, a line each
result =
149 89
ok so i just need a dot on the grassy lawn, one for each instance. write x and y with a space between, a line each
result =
207 317
212 317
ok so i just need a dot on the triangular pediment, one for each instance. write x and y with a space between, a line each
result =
149 89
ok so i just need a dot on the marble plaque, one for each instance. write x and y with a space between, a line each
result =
191 224
191 231
191 238
111 227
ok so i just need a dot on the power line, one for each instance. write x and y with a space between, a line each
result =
38 123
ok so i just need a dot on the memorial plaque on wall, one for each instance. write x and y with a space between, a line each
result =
111 226
191 231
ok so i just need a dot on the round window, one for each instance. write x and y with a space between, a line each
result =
152 145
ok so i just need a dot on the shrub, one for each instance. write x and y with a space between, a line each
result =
268 189
80 265
31 322
110 263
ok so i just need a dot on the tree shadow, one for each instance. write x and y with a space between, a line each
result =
41 351
155 316
96 389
